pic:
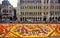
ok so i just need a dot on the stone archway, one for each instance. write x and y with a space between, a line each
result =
44 19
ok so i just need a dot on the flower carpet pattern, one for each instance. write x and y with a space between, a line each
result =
29 30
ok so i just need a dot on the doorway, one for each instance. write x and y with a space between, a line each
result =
44 19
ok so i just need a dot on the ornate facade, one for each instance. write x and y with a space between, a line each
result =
7 11
38 11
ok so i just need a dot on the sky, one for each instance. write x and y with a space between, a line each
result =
12 2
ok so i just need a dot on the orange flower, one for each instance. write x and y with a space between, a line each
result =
58 29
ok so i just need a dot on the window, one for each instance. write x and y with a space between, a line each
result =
39 13
40 18
56 7
22 7
36 13
27 13
51 1
50 18
51 7
59 7
36 18
55 17
30 7
3 10
20 1
52 13
25 7
44 1
30 13
39 7
58 12
29 1
45 13
10 11
45 7
20 18
47 1
58 1
10 18
34 7
44 19
38 1
54 1
58 18
21 13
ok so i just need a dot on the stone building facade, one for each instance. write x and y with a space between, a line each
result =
0 13
38 11
7 11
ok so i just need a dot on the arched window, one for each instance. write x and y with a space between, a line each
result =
38 1
52 1
27 1
58 18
